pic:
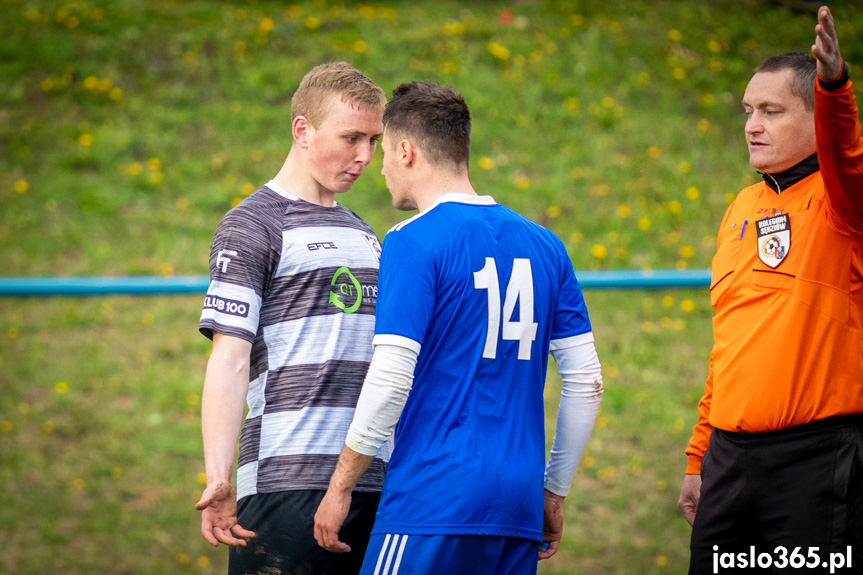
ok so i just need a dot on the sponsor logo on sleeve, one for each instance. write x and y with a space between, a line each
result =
226 306
223 258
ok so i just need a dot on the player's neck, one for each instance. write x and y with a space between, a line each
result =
429 189
296 179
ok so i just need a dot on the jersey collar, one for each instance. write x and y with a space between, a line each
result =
784 180
280 190
463 199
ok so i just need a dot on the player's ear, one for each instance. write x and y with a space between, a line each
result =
407 152
301 129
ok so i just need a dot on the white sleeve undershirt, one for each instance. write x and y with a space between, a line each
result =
390 377
385 391
580 397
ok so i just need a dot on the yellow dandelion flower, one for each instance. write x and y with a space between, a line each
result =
85 140
673 237
104 85
684 167
47 85
148 318
116 472
577 173
687 251
675 35
367 12
61 387
21 186
182 203
182 558
360 46
692 193
661 485
498 51
644 224
661 560
601 190
248 189
714 46
202 478
678 73
453 29
266 25
6 426
703 125
599 251
729 197
653 152
588 462
624 211
155 177
687 305
611 372
311 22
72 22
576 237
572 104
552 212
486 163
154 164
203 562
193 399
602 421
166 269
12 332
90 82
680 265
116 94
78 484
576 20
189 56
48 426
674 207
648 327
608 102
644 78
714 65
522 182
135 169
235 202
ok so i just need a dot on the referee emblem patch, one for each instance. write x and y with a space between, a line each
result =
774 239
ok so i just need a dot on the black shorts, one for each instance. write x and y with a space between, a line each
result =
285 540
764 495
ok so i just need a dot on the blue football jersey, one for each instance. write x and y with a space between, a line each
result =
481 293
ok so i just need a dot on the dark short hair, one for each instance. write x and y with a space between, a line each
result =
803 82
435 116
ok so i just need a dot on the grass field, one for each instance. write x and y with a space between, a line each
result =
127 129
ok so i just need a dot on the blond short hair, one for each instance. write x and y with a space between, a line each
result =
317 89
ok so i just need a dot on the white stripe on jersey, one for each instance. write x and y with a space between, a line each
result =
572 341
319 430
235 293
247 480
397 340
309 340
308 249
256 397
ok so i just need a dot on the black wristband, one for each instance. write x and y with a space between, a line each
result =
836 84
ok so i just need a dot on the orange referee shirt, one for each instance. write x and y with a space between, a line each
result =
787 290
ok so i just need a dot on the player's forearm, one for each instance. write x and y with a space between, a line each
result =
350 466
222 402
581 396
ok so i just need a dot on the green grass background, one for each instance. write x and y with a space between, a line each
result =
128 128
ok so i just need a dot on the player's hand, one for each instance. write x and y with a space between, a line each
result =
218 505
329 518
690 493
552 524
826 47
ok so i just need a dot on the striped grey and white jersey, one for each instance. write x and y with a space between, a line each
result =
298 281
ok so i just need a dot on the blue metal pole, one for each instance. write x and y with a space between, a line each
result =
147 285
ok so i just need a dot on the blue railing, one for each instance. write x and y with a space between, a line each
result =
147 285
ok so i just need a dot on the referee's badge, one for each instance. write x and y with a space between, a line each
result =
774 239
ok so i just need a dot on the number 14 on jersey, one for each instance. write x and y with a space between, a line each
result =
518 289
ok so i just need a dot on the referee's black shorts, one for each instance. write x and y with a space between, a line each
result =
797 487
285 540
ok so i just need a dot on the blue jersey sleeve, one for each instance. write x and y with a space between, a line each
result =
406 288
570 316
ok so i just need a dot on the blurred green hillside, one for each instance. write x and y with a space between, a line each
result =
128 128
